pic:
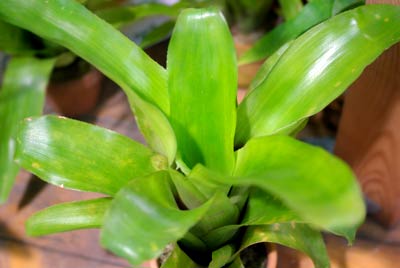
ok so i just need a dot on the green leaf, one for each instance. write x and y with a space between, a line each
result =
155 127
157 34
202 86
342 5
14 40
317 68
144 218
311 14
319 187
237 263
71 25
68 217
82 156
290 8
297 236
221 256
122 15
22 95
178 258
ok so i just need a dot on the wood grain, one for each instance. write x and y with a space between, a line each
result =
368 137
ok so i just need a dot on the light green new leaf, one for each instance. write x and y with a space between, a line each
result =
68 217
202 84
297 236
221 256
319 187
178 258
311 14
71 25
144 218
22 95
82 156
317 68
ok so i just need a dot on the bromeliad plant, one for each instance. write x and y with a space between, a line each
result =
214 178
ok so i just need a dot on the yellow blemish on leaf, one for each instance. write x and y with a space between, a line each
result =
35 165
386 20
276 227
338 83
377 16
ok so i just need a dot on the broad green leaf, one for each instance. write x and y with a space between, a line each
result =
71 25
155 127
68 217
342 5
297 236
82 156
267 67
237 263
317 68
290 8
122 15
14 40
319 187
202 86
22 95
144 218
221 256
311 14
178 258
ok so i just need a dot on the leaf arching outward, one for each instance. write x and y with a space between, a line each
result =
22 95
144 218
71 25
81 156
314 77
203 89
68 216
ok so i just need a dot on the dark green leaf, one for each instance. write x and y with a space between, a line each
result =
203 88
82 156
297 236
14 40
157 34
317 68
22 95
68 217
70 24
290 8
144 218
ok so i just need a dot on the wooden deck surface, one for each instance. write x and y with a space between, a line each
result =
375 247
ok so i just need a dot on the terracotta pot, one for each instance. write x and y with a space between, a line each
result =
75 97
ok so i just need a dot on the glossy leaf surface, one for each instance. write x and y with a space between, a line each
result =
297 236
70 24
317 68
319 187
203 88
68 217
144 218
81 156
22 95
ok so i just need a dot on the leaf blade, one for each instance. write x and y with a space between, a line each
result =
332 65
75 155
22 95
68 217
195 80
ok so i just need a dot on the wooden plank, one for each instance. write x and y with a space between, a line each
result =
368 136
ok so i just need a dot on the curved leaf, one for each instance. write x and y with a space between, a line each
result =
14 40
144 218
22 95
311 14
178 258
317 68
71 25
68 217
82 156
297 236
203 88
290 8
319 187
